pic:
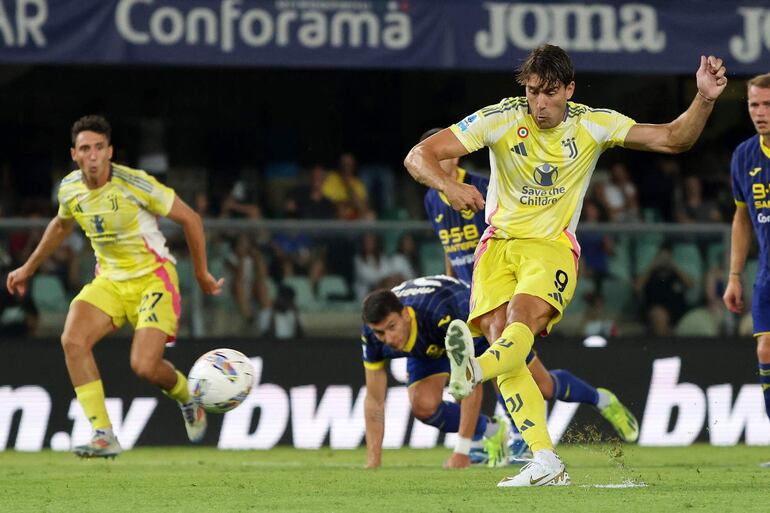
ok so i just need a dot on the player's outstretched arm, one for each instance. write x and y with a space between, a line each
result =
422 162
55 233
374 415
191 222
680 134
740 240
470 407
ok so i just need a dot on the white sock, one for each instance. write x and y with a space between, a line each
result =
604 400
548 458
476 369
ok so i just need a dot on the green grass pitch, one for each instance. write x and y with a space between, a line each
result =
193 480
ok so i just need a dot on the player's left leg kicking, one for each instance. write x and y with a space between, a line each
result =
521 306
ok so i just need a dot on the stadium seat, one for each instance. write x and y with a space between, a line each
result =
303 292
390 241
48 293
333 287
645 249
651 215
432 258
272 288
698 322
617 294
184 269
715 255
688 258
578 303
218 269
86 266
620 260
396 214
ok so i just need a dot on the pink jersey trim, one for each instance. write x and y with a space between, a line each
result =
158 258
481 249
491 215
176 298
575 248
573 241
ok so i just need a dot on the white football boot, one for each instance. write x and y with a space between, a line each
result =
194 421
103 444
459 348
545 469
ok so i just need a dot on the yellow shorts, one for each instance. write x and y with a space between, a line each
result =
506 267
150 301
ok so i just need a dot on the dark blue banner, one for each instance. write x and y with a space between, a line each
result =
642 37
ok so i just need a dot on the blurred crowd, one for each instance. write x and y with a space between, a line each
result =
630 283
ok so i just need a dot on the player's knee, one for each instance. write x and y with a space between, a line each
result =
73 344
492 324
424 407
763 350
143 368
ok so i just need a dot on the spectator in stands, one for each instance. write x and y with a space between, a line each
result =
690 205
657 185
291 250
346 191
201 204
596 247
297 253
714 286
237 204
379 180
372 268
596 321
22 242
249 279
618 195
405 261
310 200
18 314
285 322
663 285
19 317
65 262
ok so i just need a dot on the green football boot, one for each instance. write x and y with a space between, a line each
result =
497 445
620 417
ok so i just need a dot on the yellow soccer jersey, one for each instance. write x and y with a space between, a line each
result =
120 219
539 177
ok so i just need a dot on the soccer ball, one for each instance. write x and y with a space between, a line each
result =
220 380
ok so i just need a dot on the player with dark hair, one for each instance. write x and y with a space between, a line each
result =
459 233
117 208
543 149
411 321
750 170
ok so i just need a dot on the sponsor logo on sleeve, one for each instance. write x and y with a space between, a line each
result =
467 122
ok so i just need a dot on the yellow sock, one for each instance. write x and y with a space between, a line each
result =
508 353
527 407
91 399
179 391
